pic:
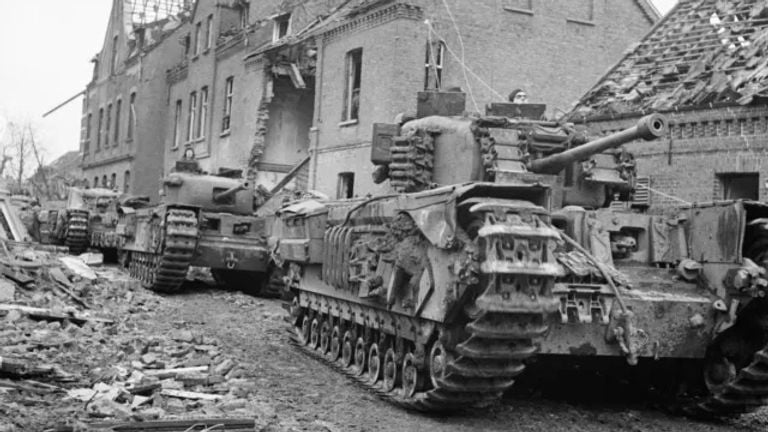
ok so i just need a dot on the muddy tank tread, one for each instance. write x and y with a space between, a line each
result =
473 378
77 232
747 393
166 272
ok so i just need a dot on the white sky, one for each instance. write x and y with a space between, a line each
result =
45 47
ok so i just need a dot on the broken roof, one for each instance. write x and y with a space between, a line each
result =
702 52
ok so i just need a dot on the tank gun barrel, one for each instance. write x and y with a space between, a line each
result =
648 128
221 196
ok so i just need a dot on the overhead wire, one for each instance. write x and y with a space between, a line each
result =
463 62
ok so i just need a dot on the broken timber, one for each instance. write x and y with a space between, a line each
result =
48 314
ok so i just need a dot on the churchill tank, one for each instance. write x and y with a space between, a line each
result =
204 220
499 243
87 214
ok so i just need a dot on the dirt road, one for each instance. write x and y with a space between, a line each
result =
298 393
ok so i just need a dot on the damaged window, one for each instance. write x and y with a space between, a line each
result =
228 93
281 27
739 186
352 88
433 65
191 116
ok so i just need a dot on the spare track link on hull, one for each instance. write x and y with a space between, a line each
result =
747 392
167 271
77 232
501 329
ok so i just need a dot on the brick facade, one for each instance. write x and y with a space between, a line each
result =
702 148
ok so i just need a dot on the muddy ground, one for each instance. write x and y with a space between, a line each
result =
272 382
306 395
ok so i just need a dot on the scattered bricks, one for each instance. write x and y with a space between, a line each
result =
190 395
170 373
191 380
224 367
152 413
182 336
144 388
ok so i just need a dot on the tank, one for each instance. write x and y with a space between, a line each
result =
204 220
496 247
87 214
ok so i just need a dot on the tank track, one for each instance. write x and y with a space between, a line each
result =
77 232
167 271
499 334
746 393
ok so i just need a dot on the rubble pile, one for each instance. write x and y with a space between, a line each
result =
72 351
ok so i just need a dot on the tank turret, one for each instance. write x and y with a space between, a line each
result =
441 150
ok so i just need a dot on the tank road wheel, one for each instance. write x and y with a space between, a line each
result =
347 349
718 372
295 311
304 331
314 334
391 370
374 363
412 377
335 350
325 336
360 351
438 360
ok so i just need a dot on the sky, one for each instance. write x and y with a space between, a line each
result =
46 47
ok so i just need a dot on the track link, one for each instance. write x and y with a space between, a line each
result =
498 334
77 232
746 393
166 272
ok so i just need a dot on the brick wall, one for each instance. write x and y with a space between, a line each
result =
701 146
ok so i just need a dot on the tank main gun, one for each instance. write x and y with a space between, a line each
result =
648 128
225 195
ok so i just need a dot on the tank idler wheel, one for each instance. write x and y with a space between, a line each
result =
306 324
360 352
719 372
438 361
314 334
325 336
374 363
391 370
347 349
335 351
413 378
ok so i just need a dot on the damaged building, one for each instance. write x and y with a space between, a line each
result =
704 66
120 134
267 86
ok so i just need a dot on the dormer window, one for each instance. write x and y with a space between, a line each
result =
281 26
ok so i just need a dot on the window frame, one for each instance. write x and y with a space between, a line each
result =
229 91
126 181
345 183
191 113
113 63
177 119
277 23
108 125
437 67
131 117
209 32
99 131
198 34
353 78
203 113
118 108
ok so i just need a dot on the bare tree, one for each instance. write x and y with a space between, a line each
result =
17 152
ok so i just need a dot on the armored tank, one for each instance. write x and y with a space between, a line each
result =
205 221
87 212
495 247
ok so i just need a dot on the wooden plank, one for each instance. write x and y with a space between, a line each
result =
182 394
41 313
